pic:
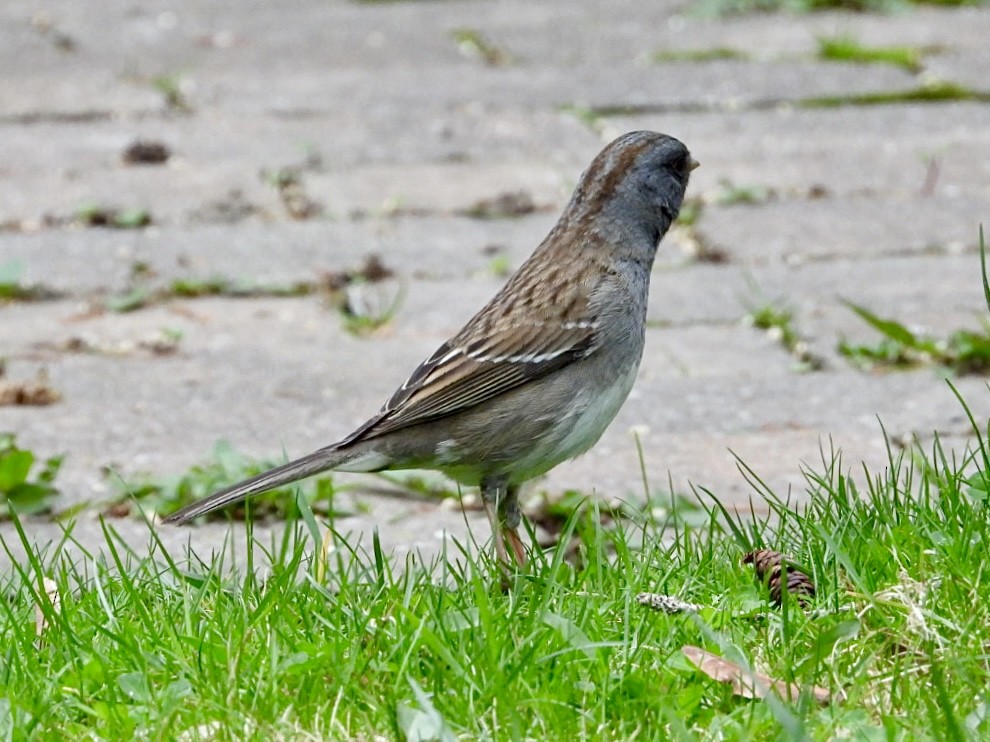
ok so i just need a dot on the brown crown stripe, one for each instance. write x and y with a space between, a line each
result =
616 162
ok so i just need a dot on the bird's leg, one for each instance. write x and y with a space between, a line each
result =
510 519
502 508
494 492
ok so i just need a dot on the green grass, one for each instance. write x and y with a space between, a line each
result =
961 352
347 644
312 637
936 92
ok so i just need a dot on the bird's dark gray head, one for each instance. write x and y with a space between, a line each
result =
637 182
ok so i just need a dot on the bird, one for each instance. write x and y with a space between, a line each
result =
538 374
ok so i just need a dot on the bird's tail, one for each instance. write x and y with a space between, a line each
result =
307 466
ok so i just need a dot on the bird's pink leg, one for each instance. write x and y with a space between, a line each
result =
510 520
491 510
502 508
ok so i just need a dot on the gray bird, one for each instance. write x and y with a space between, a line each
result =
536 376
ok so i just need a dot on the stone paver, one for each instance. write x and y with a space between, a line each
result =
395 132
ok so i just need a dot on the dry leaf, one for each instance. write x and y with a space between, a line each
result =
774 569
40 622
504 205
36 392
146 152
745 683
373 271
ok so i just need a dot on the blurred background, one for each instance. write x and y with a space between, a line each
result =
248 221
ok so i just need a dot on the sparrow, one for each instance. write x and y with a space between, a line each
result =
537 375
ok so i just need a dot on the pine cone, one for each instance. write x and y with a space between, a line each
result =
774 570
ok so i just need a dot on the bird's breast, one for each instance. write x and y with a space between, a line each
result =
579 424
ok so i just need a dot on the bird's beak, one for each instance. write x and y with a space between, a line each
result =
693 163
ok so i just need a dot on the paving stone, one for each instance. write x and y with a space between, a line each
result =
345 161
83 261
798 231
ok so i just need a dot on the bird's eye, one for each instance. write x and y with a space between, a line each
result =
684 164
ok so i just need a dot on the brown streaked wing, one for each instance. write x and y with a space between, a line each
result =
539 322
440 387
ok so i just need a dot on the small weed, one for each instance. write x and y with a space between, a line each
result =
500 266
163 343
360 298
136 298
365 310
778 322
141 269
686 234
731 194
472 43
163 497
172 89
848 49
21 492
691 211
962 352
935 92
13 288
140 297
777 319
698 55
590 117
193 288
95 215
289 184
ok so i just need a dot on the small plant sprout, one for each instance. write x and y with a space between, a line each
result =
961 352
22 491
847 48
778 322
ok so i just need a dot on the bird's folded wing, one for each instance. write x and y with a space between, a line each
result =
473 368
